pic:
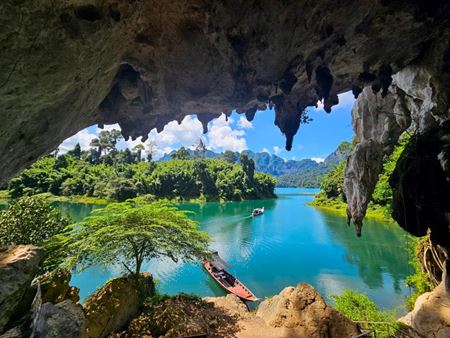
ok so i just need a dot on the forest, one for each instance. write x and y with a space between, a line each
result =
104 172
331 195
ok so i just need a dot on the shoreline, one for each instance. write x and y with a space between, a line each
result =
5 199
371 214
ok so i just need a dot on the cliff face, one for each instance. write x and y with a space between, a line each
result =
70 64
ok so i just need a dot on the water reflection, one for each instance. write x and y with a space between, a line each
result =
379 250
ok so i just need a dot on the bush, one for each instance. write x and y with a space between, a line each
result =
30 220
419 281
358 307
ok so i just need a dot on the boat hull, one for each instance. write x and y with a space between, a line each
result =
229 282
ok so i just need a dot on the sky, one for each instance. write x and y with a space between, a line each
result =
314 140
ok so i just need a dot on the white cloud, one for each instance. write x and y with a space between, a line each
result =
318 159
277 150
222 137
265 150
83 137
243 123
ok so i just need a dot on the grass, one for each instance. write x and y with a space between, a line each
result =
4 196
76 199
336 206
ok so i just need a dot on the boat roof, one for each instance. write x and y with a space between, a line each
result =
218 262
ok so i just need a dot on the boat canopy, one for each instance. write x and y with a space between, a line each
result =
218 262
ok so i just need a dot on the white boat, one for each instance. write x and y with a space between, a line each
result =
258 211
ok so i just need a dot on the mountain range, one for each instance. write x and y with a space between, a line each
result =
289 173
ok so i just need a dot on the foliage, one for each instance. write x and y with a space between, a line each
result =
358 307
332 183
30 220
419 281
129 233
382 194
181 154
331 193
121 175
230 156
33 220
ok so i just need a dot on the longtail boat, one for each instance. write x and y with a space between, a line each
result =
216 267
258 211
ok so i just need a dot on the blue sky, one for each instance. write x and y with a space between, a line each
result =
314 140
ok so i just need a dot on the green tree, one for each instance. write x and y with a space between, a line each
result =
30 220
248 165
128 234
181 154
230 156
95 143
333 182
75 152
127 156
138 148
108 139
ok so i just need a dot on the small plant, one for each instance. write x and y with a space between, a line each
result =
419 281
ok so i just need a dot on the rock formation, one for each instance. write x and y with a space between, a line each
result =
18 266
64 319
304 311
55 287
114 305
431 314
414 101
26 309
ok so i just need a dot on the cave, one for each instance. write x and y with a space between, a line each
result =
70 64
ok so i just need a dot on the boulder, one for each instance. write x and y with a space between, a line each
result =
231 303
18 266
64 319
301 308
55 287
114 305
431 314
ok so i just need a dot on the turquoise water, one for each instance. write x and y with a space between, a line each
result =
290 243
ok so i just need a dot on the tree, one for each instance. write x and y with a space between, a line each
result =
138 148
127 156
248 165
75 152
181 154
128 233
30 220
107 140
200 149
151 149
230 156
95 143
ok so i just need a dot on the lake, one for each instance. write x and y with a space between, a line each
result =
290 243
